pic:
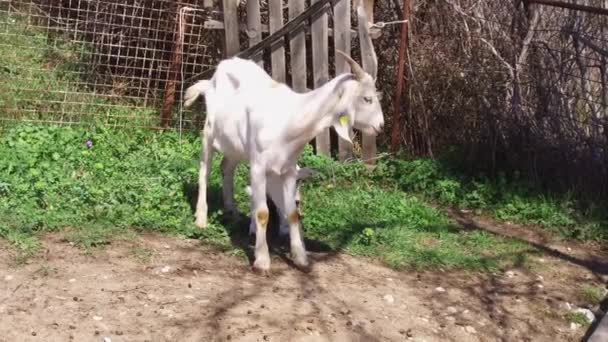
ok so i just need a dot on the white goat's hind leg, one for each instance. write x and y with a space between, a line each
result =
261 215
228 167
296 238
203 177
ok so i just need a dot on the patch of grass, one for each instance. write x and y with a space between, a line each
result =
578 318
592 294
143 254
46 270
42 77
132 178
364 218
507 199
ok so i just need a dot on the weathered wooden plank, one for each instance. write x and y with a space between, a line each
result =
320 71
254 24
297 50
212 24
342 43
277 55
368 141
231 26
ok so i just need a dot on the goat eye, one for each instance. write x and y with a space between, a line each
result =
367 99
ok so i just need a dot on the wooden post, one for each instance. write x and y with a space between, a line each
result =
298 50
342 42
254 25
277 55
369 141
320 71
231 28
401 79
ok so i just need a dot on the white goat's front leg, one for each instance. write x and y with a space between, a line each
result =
203 178
296 238
228 167
261 215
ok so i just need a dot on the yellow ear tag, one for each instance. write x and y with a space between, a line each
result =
344 120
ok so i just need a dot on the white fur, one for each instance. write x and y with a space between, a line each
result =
274 192
252 118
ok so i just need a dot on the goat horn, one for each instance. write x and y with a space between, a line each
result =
354 66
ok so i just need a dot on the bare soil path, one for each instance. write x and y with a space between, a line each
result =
157 288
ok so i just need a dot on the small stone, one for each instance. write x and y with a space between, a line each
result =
75 299
97 318
588 314
266 338
389 299
540 278
8 277
541 260
540 286
451 310
566 306
71 327
470 329
574 326
510 274
165 269
34 333
440 289
107 339
72 280
409 333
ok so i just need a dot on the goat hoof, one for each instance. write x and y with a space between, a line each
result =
302 263
263 270
201 223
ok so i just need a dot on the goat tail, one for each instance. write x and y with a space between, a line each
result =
194 91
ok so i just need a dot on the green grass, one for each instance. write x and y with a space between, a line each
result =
43 78
507 199
145 180
592 295
578 318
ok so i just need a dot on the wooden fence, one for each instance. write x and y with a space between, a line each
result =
319 32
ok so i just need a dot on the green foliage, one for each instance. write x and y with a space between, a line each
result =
141 179
506 199
592 295
43 77
578 318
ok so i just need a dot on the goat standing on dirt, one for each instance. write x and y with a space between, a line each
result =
252 118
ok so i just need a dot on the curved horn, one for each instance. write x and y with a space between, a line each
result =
355 68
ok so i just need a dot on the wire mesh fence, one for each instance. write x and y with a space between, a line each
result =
108 61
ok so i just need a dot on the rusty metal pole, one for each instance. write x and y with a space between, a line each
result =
174 71
401 78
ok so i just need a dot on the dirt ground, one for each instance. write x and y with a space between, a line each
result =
157 288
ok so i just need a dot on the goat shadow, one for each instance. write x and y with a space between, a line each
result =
237 227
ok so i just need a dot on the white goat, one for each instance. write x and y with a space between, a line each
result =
252 118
